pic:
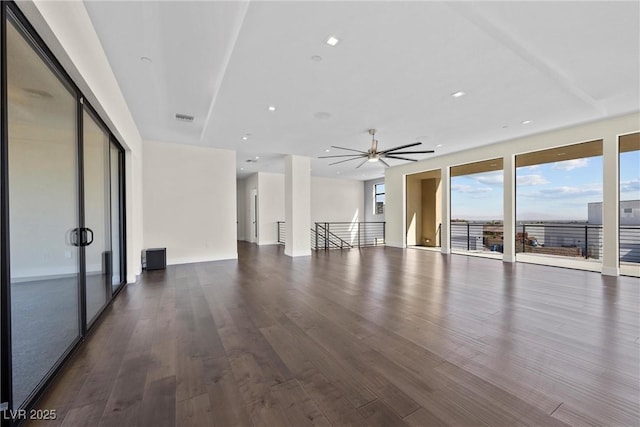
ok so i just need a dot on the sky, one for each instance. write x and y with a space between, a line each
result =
552 191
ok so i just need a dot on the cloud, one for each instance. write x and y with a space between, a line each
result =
495 178
531 180
530 168
568 165
565 192
632 186
469 189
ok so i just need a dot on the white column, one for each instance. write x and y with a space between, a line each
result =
445 182
509 208
610 207
297 206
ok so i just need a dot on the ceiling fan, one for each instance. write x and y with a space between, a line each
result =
373 155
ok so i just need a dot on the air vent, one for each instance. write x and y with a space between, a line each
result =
184 118
251 161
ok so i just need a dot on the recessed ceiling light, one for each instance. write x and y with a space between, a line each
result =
526 122
244 138
439 145
327 150
458 94
271 108
241 169
146 59
332 41
257 157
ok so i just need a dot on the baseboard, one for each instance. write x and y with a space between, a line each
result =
192 260
395 245
270 242
508 258
305 252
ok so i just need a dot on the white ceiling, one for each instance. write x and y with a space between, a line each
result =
554 63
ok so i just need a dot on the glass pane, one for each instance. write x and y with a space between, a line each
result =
97 214
630 207
116 276
43 210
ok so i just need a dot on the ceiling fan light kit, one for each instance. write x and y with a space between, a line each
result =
373 155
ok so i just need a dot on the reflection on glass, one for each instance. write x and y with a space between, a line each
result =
43 214
97 209
116 277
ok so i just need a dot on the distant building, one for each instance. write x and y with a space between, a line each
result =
629 212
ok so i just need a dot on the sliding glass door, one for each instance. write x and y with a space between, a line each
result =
43 212
62 214
116 160
97 207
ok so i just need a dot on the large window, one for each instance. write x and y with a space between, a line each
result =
629 201
559 202
476 207
378 197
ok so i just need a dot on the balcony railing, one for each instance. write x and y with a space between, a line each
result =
630 243
341 235
477 237
569 240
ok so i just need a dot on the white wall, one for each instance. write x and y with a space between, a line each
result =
336 200
189 201
369 208
251 185
270 206
332 199
241 208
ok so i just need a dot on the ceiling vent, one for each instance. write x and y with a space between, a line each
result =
184 118
251 161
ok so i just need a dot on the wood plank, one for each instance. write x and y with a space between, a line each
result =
376 336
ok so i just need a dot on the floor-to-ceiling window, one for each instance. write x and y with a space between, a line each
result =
476 207
559 202
629 201
63 238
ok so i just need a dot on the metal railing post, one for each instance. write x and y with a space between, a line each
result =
586 239
316 237
523 238
358 234
384 232
468 242
326 236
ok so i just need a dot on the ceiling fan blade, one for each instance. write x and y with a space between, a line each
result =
399 158
383 162
342 161
413 152
363 162
344 155
400 147
350 149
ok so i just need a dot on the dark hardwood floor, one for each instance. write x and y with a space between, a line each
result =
380 336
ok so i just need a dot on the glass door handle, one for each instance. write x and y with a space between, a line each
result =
87 243
74 237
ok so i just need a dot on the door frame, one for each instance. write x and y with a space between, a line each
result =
6 387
